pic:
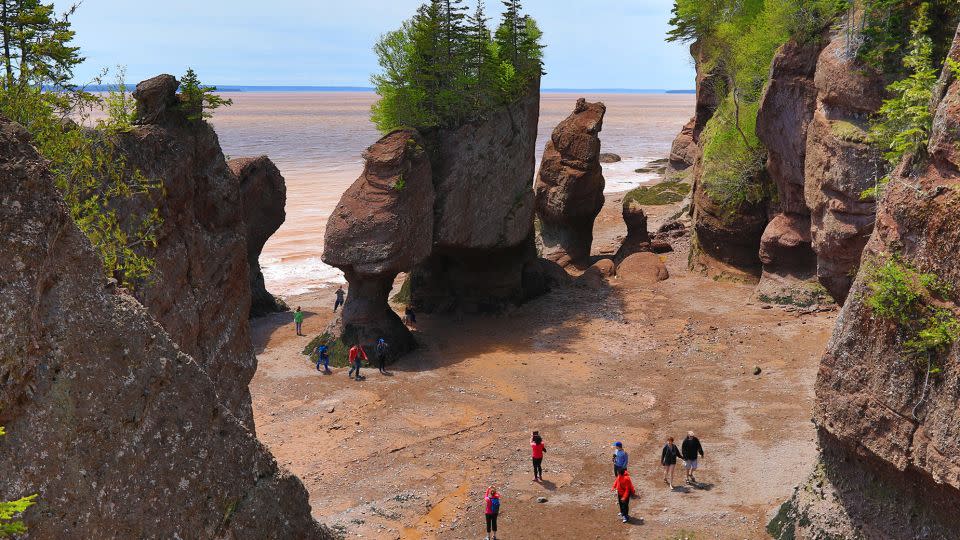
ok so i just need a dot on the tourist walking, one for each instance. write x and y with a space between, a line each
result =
323 357
620 459
491 505
298 320
537 449
383 351
668 458
356 356
691 450
623 485
339 301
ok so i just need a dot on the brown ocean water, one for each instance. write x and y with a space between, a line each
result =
316 138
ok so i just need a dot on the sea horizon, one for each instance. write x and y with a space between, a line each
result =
230 88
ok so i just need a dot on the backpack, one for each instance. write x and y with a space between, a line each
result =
495 505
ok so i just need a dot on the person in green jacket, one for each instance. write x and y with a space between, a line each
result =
298 320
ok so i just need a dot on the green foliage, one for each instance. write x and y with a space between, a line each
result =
197 100
886 27
90 173
119 105
736 41
902 125
909 298
11 510
443 68
658 194
404 295
399 183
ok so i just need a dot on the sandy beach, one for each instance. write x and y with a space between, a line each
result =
408 455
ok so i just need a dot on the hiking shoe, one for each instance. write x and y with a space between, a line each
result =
626 520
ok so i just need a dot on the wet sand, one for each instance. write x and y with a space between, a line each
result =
408 455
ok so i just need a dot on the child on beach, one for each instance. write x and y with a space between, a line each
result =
537 449
298 320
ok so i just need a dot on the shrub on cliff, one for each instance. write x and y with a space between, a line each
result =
37 60
737 41
10 510
198 100
443 68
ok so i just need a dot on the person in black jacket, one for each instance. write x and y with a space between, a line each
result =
691 450
668 458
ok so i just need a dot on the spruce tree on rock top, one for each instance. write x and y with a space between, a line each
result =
199 101
36 49
442 68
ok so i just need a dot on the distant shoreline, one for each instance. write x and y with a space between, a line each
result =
233 88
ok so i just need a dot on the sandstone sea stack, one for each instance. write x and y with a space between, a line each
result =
483 256
383 225
118 429
264 194
569 188
200 290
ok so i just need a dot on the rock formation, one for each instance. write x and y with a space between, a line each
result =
840 165
638 237
569 188
483 253
685 150
383 225
645 267
264 195
200 291
786 109
116 427
887 424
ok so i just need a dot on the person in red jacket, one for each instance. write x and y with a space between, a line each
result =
491 502
624 488
356 355
537 449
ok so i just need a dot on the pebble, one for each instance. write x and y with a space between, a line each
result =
541 499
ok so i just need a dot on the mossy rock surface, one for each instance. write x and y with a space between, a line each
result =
338 351
659 194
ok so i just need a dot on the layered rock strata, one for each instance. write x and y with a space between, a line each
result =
383 225
569 188
109 420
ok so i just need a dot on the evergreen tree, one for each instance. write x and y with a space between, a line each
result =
198 100
508 33
36 49
480 60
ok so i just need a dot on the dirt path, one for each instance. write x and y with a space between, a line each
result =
409 455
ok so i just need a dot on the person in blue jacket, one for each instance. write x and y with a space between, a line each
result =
620 459
323 357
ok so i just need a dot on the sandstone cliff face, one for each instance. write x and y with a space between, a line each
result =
685 150
569 188
117 429
888 434
264 195
483 247
200 292
840 165
383 225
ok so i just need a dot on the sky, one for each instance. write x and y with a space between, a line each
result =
589 43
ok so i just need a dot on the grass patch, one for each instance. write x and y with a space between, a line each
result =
338 351
848 131
781 527
658 194
915 301
403 295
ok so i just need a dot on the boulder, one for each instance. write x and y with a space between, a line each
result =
684 151
569 188
483 256
644 268
596 275
200 289
264 194
383 225
155 98
638 238
608 157
117 428
785 246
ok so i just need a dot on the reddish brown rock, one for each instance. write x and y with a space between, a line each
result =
890 457
726 241
119 431
638 238
646 268
383 225
569 188
785 246
684 151
483 257
264 194
840 165
200 291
